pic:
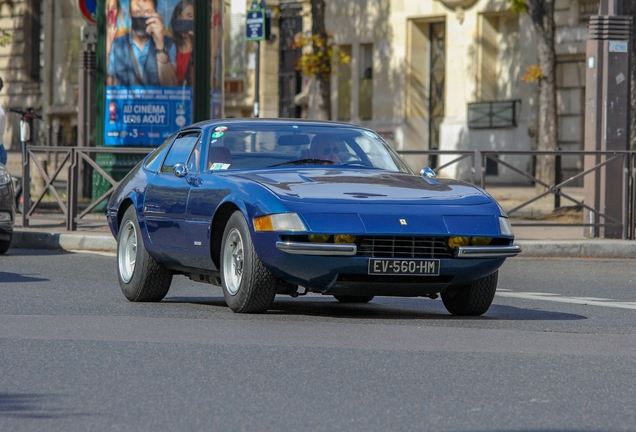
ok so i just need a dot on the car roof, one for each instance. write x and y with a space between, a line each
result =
273 122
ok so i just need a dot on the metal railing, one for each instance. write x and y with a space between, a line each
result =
71 160
64 182
602 159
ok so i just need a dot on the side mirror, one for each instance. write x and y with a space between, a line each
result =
180 170
428 173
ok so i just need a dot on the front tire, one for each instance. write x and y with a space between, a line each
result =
248 287
141 278
473 299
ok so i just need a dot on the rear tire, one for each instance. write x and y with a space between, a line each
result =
141 278
353 298
248 287
473 299
4 246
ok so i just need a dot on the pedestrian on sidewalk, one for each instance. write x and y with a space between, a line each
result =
3 125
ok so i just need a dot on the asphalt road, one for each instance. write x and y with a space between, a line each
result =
556 351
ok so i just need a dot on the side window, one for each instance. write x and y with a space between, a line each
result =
194 163
153 162
180 151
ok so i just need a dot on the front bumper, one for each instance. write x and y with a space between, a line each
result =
331 249
339 268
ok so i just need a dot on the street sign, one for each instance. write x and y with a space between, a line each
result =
255 25
88 10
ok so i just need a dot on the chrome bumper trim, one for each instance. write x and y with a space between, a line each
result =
488 251
317 248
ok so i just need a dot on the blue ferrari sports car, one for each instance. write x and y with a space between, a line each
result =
266 207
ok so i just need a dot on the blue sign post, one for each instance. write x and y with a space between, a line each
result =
255 25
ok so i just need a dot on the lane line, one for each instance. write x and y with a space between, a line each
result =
589 301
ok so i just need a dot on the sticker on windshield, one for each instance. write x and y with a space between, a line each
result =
220 128
217 134
219 166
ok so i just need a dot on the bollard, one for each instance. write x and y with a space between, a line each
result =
557 178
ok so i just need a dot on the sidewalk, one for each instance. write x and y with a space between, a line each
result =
560 241
535 241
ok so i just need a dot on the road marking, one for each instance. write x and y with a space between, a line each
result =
589 301
108 254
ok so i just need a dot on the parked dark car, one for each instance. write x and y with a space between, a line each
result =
7 209
266 207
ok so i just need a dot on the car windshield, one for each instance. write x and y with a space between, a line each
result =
241 147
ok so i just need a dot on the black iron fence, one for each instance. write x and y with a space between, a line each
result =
60 196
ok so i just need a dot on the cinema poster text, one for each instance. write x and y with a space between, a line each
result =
145 116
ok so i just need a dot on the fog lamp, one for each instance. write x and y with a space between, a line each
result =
319 238
454 242
480 241
344 238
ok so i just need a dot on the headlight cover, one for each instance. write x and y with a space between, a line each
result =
5 178
504 226
288 222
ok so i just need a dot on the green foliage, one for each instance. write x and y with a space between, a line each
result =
5 38
519 6
324 54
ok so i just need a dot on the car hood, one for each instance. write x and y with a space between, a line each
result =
365 186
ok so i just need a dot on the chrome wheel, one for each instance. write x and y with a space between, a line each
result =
233 260
127 251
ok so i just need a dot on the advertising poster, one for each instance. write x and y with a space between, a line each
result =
149 70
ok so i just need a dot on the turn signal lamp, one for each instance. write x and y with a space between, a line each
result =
279 222
319 238
480 241
504 226
344 238
454 242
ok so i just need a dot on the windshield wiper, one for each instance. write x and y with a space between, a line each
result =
305 162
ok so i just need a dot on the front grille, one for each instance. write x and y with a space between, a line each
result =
405 247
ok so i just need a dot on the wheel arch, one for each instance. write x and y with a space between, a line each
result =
122 210
221 216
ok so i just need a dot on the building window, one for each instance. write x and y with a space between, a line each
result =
33 29
587 8
344 87
500 58
234 40
365 90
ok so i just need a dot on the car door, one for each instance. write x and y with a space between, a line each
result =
206 192
167 196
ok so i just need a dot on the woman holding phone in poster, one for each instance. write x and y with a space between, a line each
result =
113 15
182 28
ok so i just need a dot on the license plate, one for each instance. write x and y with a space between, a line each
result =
404 267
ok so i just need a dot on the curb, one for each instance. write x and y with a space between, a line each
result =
578 248
66 241
530 248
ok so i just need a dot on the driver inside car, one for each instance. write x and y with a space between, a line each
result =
325 147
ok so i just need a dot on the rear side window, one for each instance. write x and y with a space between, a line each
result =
153 162
180 150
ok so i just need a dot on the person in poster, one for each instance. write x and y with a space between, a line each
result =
145 56
114 15
150 69
182 28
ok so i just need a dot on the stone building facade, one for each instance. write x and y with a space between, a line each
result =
40 68
424 75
